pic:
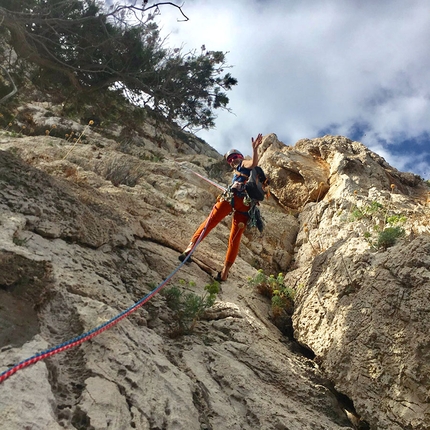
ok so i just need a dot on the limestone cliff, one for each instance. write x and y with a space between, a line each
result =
89 228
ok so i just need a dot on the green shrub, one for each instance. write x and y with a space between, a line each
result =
388 237
374 207
282 297
189 307
258 280
396 219
376 217
356 214
266 284
368 211
121 171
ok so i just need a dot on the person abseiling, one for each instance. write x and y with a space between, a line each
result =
231 201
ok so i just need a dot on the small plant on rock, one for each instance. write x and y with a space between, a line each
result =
188 308
80 137
259 281
282 297
388 237
369 211
356 214
266 284
396 219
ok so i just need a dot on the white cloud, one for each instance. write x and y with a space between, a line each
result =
305 66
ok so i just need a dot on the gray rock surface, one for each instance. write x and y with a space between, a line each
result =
87 233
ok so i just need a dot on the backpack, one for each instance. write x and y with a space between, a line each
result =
256 184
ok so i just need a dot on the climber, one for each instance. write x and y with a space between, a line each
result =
232 200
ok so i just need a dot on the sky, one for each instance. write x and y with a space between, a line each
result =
356 68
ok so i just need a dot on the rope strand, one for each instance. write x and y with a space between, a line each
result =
101 328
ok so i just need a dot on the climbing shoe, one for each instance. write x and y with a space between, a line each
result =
183 256
218 278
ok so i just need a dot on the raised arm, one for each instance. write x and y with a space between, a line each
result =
250 164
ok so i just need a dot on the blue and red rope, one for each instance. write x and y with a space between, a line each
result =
101 328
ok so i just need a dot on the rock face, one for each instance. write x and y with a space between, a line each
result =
363 311
89 230
330 167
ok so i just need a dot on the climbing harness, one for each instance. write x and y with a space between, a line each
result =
255 219
226 196
254 214
101 328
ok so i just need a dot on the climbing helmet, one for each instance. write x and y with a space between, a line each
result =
232 155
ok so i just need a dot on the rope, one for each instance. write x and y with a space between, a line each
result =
203 177
101 328
209 180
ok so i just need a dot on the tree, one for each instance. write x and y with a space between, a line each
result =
120 48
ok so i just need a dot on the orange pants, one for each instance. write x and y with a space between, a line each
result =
219 212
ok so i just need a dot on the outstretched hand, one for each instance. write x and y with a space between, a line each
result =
257 142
